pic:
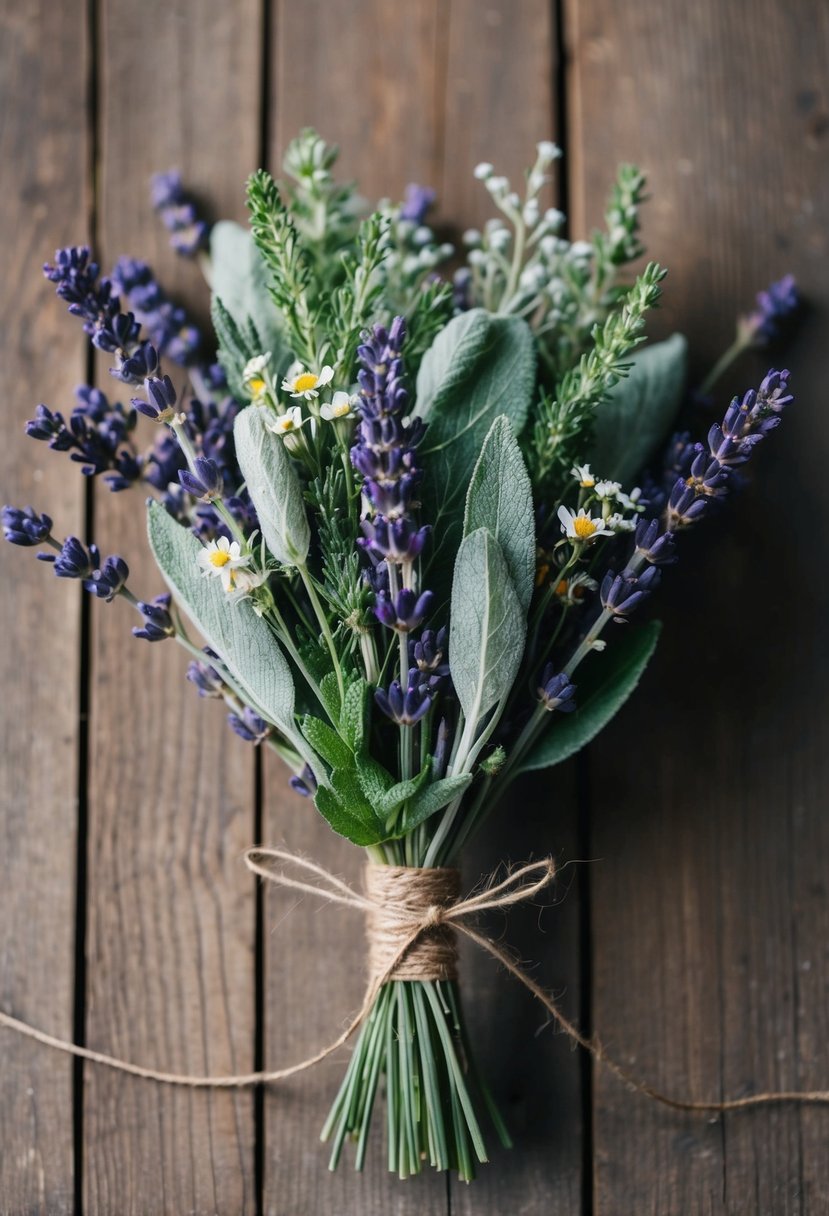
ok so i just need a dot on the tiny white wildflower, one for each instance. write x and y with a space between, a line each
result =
497 185
245 581
620 523
607 489
630 502
580 526
547 151
254 375
221 559
554 217
583 476
283 424
483 171
572 590
339 407
299 382
581 249
598 644
471 238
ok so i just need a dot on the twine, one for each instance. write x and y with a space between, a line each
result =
410 914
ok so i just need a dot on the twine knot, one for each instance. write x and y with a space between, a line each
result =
408 934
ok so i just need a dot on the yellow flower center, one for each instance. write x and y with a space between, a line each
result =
587 482
305 382
285 424
256 385
583 527
219 558
340 411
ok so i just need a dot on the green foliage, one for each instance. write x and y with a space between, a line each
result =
235 347
328 745
500 499
564 422
487 626
273 485
634 421
478 367
606 683
238 278
242 639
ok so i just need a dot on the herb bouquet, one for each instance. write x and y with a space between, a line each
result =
400 511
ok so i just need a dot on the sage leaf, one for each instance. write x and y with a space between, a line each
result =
487 626
500 499
608 680
273 486
326 742
431 798
634 421
238 277
242 639
357 826
478 367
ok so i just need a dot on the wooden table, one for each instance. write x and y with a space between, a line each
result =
690 930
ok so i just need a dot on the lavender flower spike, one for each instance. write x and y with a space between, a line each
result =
25 526
775 304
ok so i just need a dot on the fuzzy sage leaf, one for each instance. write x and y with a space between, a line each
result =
273 487
487 626
478 367
242 639
238 277
500 499
639 410
606 684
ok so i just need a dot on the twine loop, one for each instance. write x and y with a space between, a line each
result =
411 916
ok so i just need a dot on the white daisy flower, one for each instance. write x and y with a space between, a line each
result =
283 424
630 502
221 559
245 581
339 407
583 476
582 527
299 382
619 523
608 489
254 376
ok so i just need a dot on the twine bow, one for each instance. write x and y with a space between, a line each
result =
519 886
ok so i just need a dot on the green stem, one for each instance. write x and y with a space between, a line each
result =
324 626
740 344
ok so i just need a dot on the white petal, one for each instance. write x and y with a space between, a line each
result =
326 375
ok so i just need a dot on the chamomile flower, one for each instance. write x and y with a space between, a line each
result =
254 377
291 420
620 523
299 382
221 559
340 406
630 502
582 527
607 489
583 476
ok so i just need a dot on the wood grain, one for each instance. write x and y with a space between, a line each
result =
710 911
171 907
44 203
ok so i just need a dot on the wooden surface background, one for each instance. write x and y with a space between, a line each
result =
693 934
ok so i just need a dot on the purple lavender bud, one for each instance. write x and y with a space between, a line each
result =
205 482
417 201
166 189
137 366
397 540
207 680
622 595
24 526
249 726
106 582
305 783
685 506
158 621
406 612
189 233
708 475
658 549
773 393
74 560
404 707
555 691
427 654
777 302
160 401
116 335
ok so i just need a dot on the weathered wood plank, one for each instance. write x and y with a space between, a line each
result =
44 149
171 907
710 914
500 100
367 77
